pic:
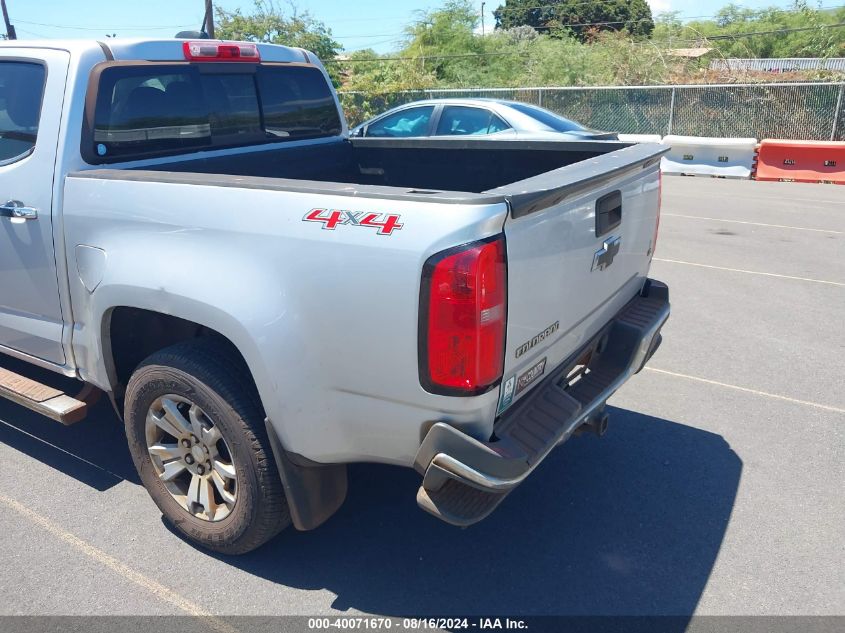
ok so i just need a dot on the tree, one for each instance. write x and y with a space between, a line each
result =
443 33
372 85
454 23
443 49
366 72
269 23
668 24
582 19
732 14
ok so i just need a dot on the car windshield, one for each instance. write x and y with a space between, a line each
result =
547 118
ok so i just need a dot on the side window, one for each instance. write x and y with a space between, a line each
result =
497 125
467 121
21 91
410 122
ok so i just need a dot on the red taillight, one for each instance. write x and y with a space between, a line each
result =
213 51
463 312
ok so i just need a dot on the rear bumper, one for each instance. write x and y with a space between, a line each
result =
465 479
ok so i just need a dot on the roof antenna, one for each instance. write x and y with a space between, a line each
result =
206 30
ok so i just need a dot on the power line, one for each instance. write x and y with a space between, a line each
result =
578 24
105 28
700 39
372 36
692 17
708 37
33 34
456 56
542 6
558 6
729 36
407 17
390 41
347 37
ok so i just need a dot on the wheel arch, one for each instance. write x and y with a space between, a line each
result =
130 333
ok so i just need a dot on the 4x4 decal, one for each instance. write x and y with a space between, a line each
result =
332 218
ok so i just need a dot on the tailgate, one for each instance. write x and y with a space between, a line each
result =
579 245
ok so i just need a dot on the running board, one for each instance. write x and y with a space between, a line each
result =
41 398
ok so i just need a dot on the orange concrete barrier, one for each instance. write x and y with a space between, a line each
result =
801 161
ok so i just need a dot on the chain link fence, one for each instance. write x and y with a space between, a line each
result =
803 111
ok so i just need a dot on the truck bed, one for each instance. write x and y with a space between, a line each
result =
466 165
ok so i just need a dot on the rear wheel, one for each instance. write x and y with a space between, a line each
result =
196 433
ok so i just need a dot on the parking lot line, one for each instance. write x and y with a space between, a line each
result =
157 589
747 390
750 272
774 226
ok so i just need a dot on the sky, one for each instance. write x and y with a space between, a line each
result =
356 24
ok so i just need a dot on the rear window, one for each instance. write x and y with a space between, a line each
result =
146 111
547 118
21 90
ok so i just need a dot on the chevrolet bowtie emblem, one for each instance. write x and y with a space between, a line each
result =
604 256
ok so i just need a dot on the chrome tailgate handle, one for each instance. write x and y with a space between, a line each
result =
15 209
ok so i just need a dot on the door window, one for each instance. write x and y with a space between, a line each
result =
410 122
21 91
466 121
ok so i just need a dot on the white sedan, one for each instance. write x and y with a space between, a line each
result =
476 117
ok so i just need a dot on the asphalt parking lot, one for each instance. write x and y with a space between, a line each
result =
717 490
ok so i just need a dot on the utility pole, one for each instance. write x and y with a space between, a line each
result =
209 19
482 18
10 30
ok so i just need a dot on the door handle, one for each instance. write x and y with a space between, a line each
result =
15 209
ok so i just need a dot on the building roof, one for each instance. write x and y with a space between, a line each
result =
689 53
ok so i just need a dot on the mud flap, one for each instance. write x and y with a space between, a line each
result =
314 492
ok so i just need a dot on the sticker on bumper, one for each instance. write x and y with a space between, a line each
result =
506 398
513 386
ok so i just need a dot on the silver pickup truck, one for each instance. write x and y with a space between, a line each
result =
187 227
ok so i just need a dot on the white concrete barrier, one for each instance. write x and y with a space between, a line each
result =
702 156
640 138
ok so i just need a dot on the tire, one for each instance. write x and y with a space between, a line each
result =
205 381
